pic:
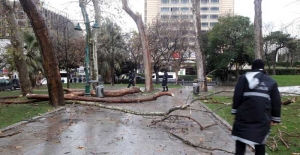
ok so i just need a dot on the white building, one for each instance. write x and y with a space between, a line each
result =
210 10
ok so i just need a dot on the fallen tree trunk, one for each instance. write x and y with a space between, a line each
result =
183 107
107 93
287 102
106 99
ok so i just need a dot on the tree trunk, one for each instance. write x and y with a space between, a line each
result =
17 42
200 56
106 100
144 40
274 61
107 93
50 62
258 41
85 16
95 72
112 70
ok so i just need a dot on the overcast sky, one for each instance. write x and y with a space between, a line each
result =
279 12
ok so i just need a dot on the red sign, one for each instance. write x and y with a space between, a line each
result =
176 55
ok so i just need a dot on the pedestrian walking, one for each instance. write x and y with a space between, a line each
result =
165 81
130 79
256 105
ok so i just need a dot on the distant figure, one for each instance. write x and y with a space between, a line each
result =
256 105
165 81
130 79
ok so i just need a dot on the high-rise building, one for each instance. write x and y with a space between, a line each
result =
210 10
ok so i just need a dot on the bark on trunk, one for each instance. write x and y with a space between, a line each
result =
107 100
289 101
17 43
144 40
107 93
200 56
50 62
95 72
274 61
258 41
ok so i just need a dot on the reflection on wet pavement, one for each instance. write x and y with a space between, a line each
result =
90 130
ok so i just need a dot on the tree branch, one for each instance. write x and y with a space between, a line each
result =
199 146
131 111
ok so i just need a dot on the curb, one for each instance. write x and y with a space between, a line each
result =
221 120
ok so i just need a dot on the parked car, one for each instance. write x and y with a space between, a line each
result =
12 84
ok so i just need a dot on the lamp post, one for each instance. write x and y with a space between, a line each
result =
87 48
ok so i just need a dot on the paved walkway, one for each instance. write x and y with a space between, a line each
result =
90 130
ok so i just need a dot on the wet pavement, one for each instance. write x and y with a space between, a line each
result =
90 130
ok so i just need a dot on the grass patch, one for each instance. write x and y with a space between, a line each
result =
14 113
290 116
287 80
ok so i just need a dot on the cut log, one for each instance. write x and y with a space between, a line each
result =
134 99
107 93
287 102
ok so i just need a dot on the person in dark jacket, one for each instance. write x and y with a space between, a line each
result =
256 104
164 83
130 79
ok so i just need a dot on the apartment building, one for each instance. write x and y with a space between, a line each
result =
210 10
54 18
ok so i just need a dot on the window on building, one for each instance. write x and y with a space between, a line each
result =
204 24
174 1
214 16
185 9
204 8
184 17
204 1
212 24
204 16
164 1
174 9
174 17
184 1
164 17
164 9
215 1
214 8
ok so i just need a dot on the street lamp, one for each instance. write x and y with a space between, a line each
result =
87 48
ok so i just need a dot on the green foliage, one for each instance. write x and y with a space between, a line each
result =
279 71
32 56
287 64
187 77
111 51
230 43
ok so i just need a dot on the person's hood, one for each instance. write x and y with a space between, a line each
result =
253 79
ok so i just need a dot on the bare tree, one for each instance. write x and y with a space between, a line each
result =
95 72
50 62
17 44
144 40
258 40
200 56
168 43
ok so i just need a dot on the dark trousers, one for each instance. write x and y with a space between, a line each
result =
165 88
130 83
240 148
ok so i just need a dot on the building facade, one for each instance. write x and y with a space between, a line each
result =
210 10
